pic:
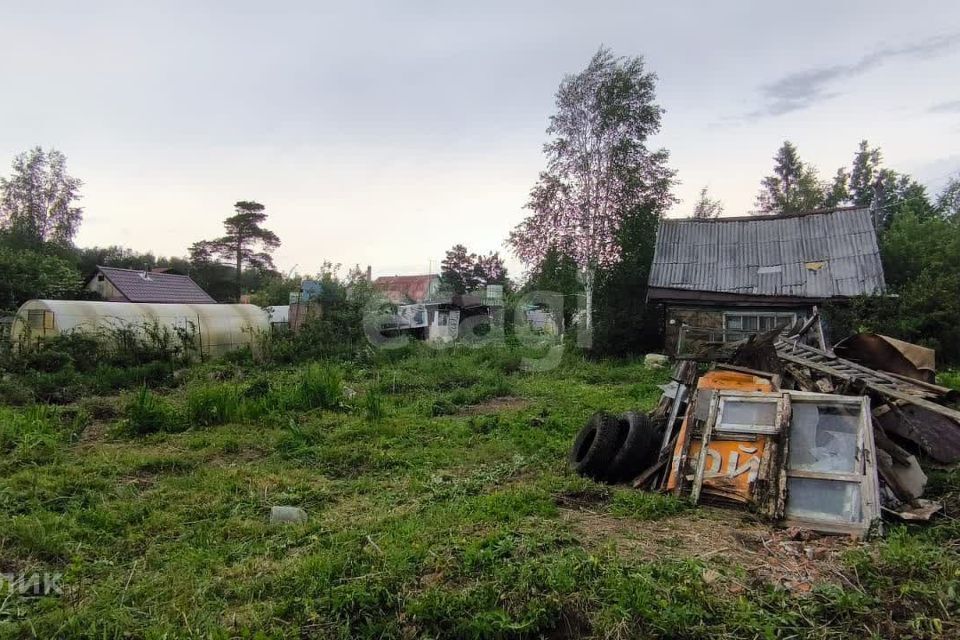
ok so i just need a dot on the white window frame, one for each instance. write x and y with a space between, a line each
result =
865 474
757 314
761 397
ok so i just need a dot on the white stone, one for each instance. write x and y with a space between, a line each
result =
656 360
282 514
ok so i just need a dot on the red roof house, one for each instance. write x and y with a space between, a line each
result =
408 289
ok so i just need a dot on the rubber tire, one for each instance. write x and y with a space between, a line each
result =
596 445
639 448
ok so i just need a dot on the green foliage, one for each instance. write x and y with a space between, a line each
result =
793 187
456 526
38 200
623 321
245 243
921 258
646 506
26 274
62 368
319 386
35 436
212 405
146 413
374 405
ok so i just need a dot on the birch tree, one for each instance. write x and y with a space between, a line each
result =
599 168
38 202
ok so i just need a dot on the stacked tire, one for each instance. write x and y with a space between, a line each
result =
613 448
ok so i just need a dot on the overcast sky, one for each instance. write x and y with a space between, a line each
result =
382 133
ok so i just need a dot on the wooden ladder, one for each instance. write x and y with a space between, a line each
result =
882 383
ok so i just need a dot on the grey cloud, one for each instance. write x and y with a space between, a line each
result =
802 89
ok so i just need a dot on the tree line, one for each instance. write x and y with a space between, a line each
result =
40 215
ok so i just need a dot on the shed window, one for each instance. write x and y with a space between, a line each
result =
758 321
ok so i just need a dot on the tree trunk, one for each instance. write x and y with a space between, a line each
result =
588 275
239 269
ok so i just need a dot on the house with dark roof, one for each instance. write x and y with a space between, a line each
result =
739 275
131 285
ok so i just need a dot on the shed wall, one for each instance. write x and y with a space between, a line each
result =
712 318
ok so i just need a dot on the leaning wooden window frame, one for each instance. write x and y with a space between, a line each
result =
764 462
815 506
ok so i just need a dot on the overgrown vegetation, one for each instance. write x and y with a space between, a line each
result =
461 523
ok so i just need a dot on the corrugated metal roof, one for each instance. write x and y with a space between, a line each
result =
821 254
152 286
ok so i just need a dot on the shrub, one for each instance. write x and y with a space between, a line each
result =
61 387
147 413
107 378
47 360
15 393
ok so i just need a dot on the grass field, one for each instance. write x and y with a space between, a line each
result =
439 505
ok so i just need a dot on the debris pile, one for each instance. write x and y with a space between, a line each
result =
791 431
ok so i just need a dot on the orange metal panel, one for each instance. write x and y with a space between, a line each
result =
732 464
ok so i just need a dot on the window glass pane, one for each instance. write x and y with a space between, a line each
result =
739 413
750 323
823 500
734 322
824 437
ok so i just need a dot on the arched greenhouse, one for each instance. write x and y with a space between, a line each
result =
214 328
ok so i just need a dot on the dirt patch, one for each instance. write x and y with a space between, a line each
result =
582 500
495 405
726 541
94 432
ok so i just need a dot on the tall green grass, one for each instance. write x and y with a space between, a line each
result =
319 386
35 435
147 413
211 405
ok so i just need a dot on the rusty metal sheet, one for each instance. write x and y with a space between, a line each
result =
937 436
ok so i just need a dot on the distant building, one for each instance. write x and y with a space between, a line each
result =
408 289
132 285
729 277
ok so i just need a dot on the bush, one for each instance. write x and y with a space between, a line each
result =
15 393
47 360
147 413
61 387
107 378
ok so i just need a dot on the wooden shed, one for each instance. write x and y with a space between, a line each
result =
747 274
